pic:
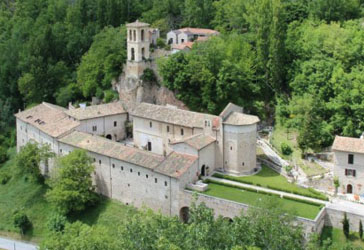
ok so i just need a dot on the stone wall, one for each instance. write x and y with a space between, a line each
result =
231 209
335 217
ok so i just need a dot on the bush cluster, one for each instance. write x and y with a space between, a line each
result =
21 221
286 149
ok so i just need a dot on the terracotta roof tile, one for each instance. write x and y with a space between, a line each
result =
172 115
48 118
197 141
348 144
199 31
166 166
182 46
95 111
236 118
137 24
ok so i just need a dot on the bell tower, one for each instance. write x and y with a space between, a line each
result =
138 48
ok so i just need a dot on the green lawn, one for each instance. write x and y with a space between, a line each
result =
252 198
280 135
20 193
271 179
338 238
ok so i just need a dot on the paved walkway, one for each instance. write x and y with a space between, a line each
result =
272 191
272 155
10 244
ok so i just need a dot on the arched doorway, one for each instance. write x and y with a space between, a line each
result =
184 214
349 189
203 170
109 137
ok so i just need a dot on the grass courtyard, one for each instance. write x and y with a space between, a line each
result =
338 238
271 179
282 135
296 208
20 193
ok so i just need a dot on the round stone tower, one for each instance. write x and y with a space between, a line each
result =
240 138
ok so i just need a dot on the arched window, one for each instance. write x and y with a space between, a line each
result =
134 32
142 35
132 54
143 56
130 35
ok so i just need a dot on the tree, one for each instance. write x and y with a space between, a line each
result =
71 185
198 13
336 184
360 230
21 221
57 222
30 156
346 226
103 62
80 236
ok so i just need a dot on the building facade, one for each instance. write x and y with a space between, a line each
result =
349 164
171 148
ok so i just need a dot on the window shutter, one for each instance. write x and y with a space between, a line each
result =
346 172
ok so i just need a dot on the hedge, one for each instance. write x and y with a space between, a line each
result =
264 192
315 195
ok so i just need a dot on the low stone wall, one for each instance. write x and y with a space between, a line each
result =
335 217
231 209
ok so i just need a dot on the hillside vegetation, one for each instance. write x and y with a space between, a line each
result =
296 61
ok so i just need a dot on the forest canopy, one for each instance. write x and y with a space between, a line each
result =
295 62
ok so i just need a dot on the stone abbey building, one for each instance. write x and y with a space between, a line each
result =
170 148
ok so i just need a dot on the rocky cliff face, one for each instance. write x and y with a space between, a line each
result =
133 91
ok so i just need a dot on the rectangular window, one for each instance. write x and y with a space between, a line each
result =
150 124
351 159
146 176
131 170
165 183
115 123
155 180
350 172
182 132
94 128
149 146
138 173
122 168
113 165
100 162
167 129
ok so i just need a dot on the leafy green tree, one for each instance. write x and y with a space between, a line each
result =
80 236
221 70
103 62
198 13
21 221
57 222
336 10
30 156
71 186
229 16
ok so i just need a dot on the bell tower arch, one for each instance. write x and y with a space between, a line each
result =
138 43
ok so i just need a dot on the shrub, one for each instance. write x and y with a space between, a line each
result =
161 43
149 76
57 222
4 178
21 221
286 149
3 154
110 95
